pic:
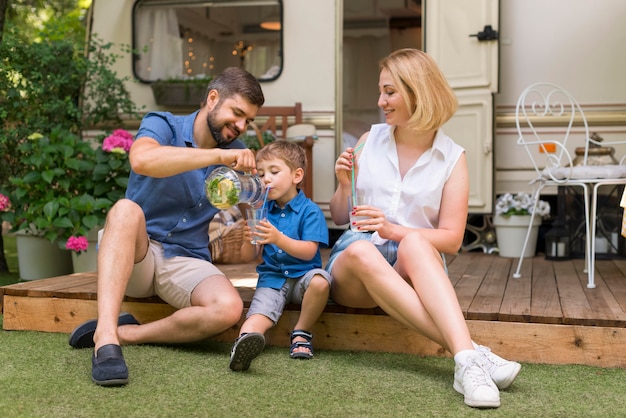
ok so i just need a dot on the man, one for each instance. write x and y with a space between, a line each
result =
155 242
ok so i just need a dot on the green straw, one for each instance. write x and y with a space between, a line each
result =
357 149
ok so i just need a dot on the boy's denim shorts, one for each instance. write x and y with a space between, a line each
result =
271 302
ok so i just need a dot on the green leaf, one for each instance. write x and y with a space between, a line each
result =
63 222
115 164
91 221
103 203
50 209
122 182
48 176
32 177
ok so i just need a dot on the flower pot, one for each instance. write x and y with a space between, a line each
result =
38 258
179 93
510 233
87 261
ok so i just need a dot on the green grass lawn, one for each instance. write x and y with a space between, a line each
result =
42 375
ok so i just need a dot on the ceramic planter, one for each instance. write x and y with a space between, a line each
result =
511 232
38 258
87 261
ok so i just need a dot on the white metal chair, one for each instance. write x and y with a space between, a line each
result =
552 157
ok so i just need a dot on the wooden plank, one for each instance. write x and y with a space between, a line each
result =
606 308
545 305
530 343
616 281
576 309
48 287
517 296
467 286
488 298
458 265
360 330
553 344
533 343
63 315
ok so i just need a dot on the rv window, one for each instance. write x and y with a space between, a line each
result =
197 39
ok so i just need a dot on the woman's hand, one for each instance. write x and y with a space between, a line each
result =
343 167
375 219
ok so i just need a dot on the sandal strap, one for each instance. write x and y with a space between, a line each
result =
301 333
298 344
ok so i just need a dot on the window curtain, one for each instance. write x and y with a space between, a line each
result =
263 61
158 34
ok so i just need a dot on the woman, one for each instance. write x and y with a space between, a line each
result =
417 182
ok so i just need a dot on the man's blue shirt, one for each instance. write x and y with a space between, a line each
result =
176 208
300 219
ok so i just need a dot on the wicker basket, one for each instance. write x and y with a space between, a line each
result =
226 247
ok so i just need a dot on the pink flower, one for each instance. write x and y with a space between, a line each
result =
119 139
77 244
5 203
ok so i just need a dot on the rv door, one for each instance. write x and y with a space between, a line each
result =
461 35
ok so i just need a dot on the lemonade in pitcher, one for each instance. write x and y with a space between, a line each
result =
226 187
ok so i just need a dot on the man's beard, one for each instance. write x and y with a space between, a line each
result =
216 128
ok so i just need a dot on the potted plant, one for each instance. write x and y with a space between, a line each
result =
88 211
180 91
58 168
47 169
69 190
251 139
511 221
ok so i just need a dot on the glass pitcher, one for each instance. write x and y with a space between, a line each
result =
226 187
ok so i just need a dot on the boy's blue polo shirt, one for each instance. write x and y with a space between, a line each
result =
300 219
176 208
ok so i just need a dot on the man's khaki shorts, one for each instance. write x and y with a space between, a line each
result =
172 279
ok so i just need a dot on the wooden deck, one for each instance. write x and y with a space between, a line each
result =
547 316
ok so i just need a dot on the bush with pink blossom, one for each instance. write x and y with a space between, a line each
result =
69 186
5 203
78 244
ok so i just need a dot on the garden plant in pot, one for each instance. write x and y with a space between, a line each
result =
188 91
513 213
55 179
58 169
88 210
67 193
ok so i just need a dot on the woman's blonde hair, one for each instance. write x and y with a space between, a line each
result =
428 96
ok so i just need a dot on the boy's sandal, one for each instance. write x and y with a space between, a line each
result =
301 344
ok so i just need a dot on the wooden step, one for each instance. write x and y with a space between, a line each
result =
60 304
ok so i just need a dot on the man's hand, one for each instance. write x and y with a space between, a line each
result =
240 160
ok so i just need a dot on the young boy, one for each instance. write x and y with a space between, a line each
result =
291 270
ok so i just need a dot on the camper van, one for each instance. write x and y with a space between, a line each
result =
324 54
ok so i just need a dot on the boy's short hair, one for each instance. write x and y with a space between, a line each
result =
291 153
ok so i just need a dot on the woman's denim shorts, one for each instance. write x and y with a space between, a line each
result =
389 249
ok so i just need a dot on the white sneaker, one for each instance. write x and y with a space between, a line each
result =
474 383
502 372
